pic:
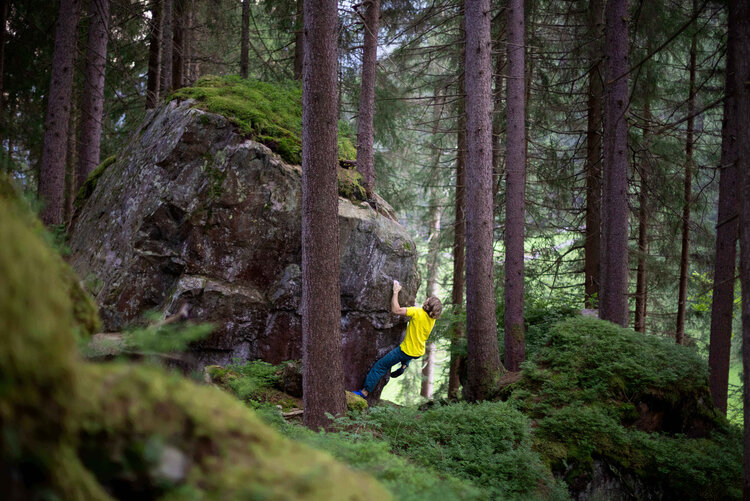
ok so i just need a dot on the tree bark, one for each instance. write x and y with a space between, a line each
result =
641 287
725 264
323 389
245 40
458 362
497 115
739 27
92 100
178 44
433 262
484 368
52 168
299 52
166 53
515 189
3 36
367 98
71 164
614 252
592 246
154 55
687 200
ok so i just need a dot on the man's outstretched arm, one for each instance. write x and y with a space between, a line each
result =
395 308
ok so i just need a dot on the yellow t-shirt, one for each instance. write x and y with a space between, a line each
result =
417 332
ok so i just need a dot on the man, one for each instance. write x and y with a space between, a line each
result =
421 321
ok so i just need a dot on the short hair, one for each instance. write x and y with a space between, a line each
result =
433 307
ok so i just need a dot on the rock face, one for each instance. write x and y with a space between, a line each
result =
193 213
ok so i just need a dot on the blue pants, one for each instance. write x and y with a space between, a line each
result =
384 365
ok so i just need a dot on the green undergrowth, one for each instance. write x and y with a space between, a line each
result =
258 384
270 113
640 403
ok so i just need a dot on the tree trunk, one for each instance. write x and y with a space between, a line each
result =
614 252
433 262
178 47
685 247
515 188
245 40
92 101
739 28
725 264
641 287
484 368
323 389
594 156
71 164
187 42
299 52
52 169
166 53
154 55
458 362
497 115
367 98
3 36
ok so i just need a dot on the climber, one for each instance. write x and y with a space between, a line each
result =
421 322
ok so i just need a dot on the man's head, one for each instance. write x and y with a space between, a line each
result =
433 307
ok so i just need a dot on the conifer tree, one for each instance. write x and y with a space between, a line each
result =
52 171
483 356
613 304
322 376
92 100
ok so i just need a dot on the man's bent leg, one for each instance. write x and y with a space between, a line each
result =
382 366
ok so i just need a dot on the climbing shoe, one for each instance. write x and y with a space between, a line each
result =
398 371
359 394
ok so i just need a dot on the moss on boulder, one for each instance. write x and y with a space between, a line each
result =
269 113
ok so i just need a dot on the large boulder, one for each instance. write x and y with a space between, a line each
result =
193 212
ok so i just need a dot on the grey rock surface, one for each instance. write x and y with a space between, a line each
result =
194 213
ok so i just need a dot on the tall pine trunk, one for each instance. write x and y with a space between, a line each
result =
725 263
484 368
458 362
687 199
614 252
497 113
367 97
178 44
166 52
154 55
641 286
299 52
592 246
515 189
3 36
245 40
739 28
433 261
92 100
322 373
54 152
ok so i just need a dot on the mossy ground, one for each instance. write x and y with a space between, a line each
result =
269 113
639 402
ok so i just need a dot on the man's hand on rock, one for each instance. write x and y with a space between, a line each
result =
396 287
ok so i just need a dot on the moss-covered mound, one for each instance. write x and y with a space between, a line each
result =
268 113
608 401
83 308
78 431
147 432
